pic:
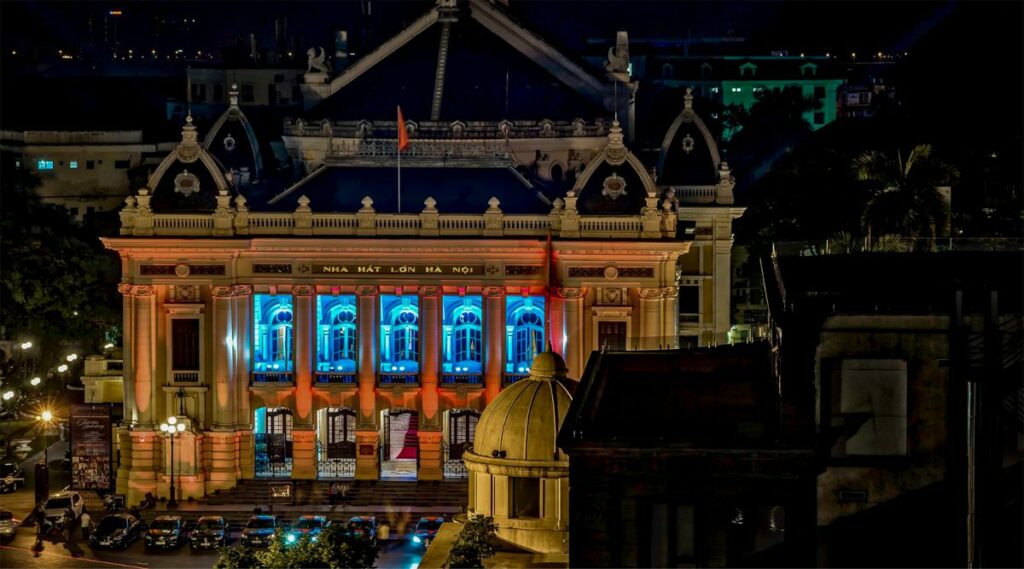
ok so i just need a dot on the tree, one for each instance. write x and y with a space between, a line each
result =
903 196
334 548
236 558
475 543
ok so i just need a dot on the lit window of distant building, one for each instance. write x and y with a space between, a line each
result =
44 164
73 164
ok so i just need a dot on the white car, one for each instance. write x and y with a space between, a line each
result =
58 504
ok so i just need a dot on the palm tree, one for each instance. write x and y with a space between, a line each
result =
903 196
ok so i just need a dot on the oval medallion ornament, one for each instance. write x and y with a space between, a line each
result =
614 186
611 273
229 142
182 270
186 183
688 144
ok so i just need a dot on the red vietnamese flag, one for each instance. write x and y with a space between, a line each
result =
403 135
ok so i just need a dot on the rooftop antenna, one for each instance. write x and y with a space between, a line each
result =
615 89
188 89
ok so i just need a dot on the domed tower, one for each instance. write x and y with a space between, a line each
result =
518 475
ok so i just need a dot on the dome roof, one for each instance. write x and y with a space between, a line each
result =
524 419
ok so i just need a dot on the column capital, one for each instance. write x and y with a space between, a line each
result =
141 290
303 290
366 290
652 293
670 291
221 291
493 291
430 291
569 292
241 290
125 289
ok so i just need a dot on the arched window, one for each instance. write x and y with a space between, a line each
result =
524 332
272 333
668 72
343 335
281 336
462 334
399 333
467 337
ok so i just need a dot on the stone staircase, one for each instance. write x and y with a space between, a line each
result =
361 493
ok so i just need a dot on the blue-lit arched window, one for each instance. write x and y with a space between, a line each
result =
337 339
343 335
524 319
463 334
273 333
400 333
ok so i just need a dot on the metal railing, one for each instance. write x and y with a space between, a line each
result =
454 467
338 467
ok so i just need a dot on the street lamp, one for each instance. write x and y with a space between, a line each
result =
26 345
172 428
36 380
46 417
71 357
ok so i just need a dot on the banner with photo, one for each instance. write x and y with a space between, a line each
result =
91 447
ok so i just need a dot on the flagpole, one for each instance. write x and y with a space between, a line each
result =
399 177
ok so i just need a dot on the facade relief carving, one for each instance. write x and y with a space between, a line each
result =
221 291
570 293
652 293
493 291
303 290
430 291
366 290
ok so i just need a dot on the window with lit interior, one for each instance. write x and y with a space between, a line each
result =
524 332
463 334
399 334
273 333
337 339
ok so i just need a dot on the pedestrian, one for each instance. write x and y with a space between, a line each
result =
86 525
332 493
69 520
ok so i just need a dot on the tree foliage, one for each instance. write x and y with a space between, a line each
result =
334 548
58 285
475 543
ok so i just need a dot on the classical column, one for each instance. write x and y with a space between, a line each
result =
223 379
650 318
572 303
494 340
144 356
670 317
303 433
131 411
241 346
430 354
721 279
556 323
366 427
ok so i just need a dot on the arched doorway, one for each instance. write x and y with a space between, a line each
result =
336 443
460 428
273 442
399 444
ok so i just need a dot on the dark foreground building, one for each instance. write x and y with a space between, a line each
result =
679 459
914 364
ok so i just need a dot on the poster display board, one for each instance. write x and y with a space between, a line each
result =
91 447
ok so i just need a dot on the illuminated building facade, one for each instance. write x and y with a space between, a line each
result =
341 327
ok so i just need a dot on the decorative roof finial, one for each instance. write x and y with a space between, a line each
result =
688 99
233 95
188 132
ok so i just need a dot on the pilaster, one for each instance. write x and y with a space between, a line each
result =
367 314
240 342
223 376
431 352
143 466
670 317
221 471
144 356
494 340
572 303
651 315
304 346
430 467
304 453
366 454
131 410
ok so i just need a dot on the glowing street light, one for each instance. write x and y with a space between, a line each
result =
62 368
36 381
46 417
71 357
26 345
8 395
108 345
172 428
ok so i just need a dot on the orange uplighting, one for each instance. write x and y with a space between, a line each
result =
114 12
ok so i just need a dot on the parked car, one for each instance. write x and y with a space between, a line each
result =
8 525
116 531
210 532
306 525
426 529
165 532
57 505
12 477
363 526
259 530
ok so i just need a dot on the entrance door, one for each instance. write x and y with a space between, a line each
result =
273 439
399 449
611 335
461 430
336 443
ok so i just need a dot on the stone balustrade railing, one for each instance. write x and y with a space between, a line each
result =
448 130
232 217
